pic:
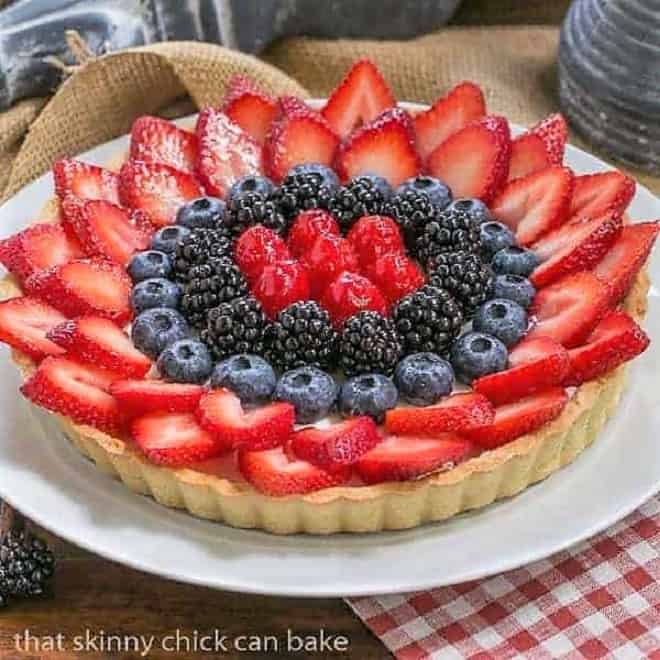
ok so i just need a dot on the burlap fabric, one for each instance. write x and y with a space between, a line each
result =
514 65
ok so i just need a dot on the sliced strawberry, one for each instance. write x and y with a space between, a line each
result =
99 341
174 439
78 391
374 236
615 340
280 284
456 413
85 286
336 445
521 417
38 248
474 162
156 140
626 257
257 248
73 177
384 147
249 107
226 152
107 230
139 397
449 114
298 135
568 310
535 204
360 97
327 257
156 189
272 472
396 275
307 227
349 294
221 413
401 458
535 364
540 147
575 246
24 322
600 194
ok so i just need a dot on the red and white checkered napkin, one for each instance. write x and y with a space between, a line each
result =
599 599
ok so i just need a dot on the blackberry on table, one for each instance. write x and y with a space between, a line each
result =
234 327
465 276
412 210
369 343
198 247
302 335
304 189
252 208
449 231
427 320
363 195
207 285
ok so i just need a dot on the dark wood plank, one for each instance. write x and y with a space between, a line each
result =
511 12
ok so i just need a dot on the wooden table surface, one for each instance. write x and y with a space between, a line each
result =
94 596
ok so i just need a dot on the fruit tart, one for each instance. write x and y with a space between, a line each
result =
346 316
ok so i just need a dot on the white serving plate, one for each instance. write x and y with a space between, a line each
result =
48 480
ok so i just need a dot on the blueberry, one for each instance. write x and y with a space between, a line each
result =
475 208
422 378
368 394
155 292
186 361
152 263
157 328
503 319
379 183
476 354
495 236
203 212
249 376
310 390
165 239
438 192
514 261
516 288
251 184
327 174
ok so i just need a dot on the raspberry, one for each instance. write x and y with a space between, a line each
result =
281 284
349 294
307 227
328 256
396 276
373 237
258 247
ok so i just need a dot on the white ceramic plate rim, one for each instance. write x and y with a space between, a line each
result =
48 480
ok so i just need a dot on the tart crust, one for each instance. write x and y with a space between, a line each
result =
475 483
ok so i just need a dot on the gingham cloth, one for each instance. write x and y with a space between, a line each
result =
600 599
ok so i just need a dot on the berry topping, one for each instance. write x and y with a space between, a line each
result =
253 183
515 260
155 292
226 152
185 361
98 341
521 417
249 107
503 319
198 248
374 236
257 248
221 413
73 177
396 276
495 236
281 284
250 209
362 195
306 186
476 354
298 135
369 343
24 323
149 264
155 329
516 288
166 239
156 140
307 227
405 458
599 194
340 444
474 162
349 294
248 376
156 189
423 378
368 394
384 147
327 257
474 207
203 212
433 188
411 210
139 397
311 391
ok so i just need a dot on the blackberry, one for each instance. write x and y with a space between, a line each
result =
198 247
449 231
217 281
252 208
302 335
363 195
465 276
412 210
369 343
427 320
234 327
304 190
